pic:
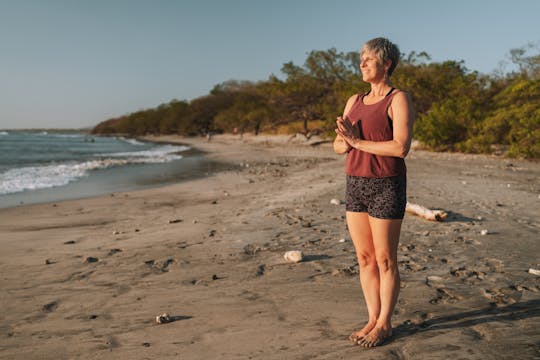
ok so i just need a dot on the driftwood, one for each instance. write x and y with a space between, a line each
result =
428 214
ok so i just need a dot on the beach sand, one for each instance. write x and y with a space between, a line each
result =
85 279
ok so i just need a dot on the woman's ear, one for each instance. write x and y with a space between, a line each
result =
387 65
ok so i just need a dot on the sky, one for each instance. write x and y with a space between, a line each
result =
75 63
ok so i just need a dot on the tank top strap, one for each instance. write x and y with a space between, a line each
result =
392 89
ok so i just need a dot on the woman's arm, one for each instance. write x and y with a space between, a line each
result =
340 145
402 118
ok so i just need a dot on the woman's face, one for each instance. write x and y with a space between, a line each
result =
372 70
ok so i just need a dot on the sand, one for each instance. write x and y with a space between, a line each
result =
85 279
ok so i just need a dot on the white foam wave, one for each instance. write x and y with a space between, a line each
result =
155 152
131 141
47 176
4 133
68 135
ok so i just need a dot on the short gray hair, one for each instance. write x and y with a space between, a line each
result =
384 50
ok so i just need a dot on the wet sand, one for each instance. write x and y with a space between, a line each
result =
86 278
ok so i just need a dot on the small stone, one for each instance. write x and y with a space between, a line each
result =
335 202
484 232
49 262
137 230
91 259
69 242
341 240
175 221
534 272
116 232
464 182
434 278
145 344
293 256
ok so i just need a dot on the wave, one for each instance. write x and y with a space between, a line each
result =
156 152
131 141
4 133
54 175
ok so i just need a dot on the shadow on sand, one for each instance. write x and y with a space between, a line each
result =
517 311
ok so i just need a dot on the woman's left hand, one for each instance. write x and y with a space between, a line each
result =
348 131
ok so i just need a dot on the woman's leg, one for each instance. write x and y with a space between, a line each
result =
360 231
385 234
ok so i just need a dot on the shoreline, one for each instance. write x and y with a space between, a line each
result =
119 179
209 252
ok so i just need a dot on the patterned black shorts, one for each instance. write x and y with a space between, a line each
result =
383 198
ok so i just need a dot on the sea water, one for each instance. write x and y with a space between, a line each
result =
42 166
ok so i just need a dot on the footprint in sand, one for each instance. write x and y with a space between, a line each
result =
50 307
410 265
501 297
495 265
113 251
444 296
468 274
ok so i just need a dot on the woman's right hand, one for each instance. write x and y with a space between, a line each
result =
340 145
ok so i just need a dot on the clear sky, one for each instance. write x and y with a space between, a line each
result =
74 63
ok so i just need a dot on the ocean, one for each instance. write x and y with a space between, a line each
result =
42 167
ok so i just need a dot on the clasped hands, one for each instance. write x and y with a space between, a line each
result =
349 132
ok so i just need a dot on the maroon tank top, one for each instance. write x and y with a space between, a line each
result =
376 125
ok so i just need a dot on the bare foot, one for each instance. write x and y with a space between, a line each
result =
359 335
377 336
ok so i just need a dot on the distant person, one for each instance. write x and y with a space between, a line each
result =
375 132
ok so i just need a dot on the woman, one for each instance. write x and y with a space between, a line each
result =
375 132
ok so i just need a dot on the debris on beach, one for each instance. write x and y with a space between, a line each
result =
534 271
428 214
433 279
163 319
114 251
251 249
91 259
335 202
175 221
484 232
293 256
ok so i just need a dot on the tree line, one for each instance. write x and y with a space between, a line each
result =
457 109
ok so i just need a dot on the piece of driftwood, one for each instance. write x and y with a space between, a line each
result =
428 214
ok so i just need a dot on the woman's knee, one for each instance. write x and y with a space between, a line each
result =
386 263
366 259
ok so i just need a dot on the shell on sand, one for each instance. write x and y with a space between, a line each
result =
293 256
163 318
